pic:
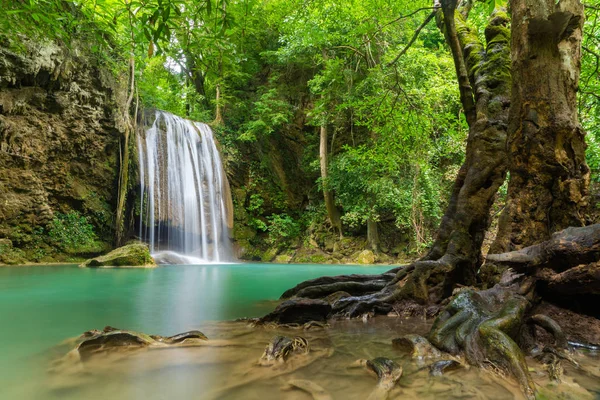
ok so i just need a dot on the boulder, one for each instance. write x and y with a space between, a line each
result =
366 257
134 255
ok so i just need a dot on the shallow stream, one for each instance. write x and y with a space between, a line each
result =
42 307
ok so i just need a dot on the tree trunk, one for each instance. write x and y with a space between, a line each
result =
373 235
124 160
549 177
197 79
218 112
484 81
332 211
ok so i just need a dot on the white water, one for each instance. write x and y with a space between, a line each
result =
184 191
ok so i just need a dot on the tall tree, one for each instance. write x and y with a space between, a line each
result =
549 177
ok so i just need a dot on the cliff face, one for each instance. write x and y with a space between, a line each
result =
59 148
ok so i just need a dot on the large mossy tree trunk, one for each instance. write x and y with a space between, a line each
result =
549 177
483 73
534 119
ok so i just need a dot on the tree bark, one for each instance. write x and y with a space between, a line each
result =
218 110
373 235
549 177
332 211
484 80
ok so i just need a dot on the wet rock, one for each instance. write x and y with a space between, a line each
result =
366 257
388 371
170 258
439 368
417 346
131 255
280 347
299 311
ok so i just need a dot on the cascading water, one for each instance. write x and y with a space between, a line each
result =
186 209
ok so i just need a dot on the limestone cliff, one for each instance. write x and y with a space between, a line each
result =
59 145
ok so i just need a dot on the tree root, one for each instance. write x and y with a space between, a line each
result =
484 325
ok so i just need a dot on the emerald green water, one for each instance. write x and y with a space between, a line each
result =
40 306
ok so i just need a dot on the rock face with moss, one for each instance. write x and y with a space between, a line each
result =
59 129
131 255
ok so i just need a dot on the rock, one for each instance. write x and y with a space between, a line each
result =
299 311
5 244
269 254
59 139
283 259
10 255
170 258
366 257
131 255
439 368
388 371
329 244
417 346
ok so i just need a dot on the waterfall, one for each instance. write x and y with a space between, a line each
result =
185 203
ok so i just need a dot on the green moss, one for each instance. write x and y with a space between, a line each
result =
131 255
269 254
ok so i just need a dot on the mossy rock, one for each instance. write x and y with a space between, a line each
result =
284 258
243 232
366 257
134 255
269 254
10 255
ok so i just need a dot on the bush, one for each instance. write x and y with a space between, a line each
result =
282 229
71 231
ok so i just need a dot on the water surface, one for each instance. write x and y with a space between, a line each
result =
41 307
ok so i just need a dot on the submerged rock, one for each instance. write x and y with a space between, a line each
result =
417 346
439 368
388 371
131 255
280 347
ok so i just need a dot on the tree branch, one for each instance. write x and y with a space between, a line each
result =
407 15
464 85
414 37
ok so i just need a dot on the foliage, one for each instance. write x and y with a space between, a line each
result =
282 229
71 231
278 67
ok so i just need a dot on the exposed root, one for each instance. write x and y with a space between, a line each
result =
552 327
484 325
